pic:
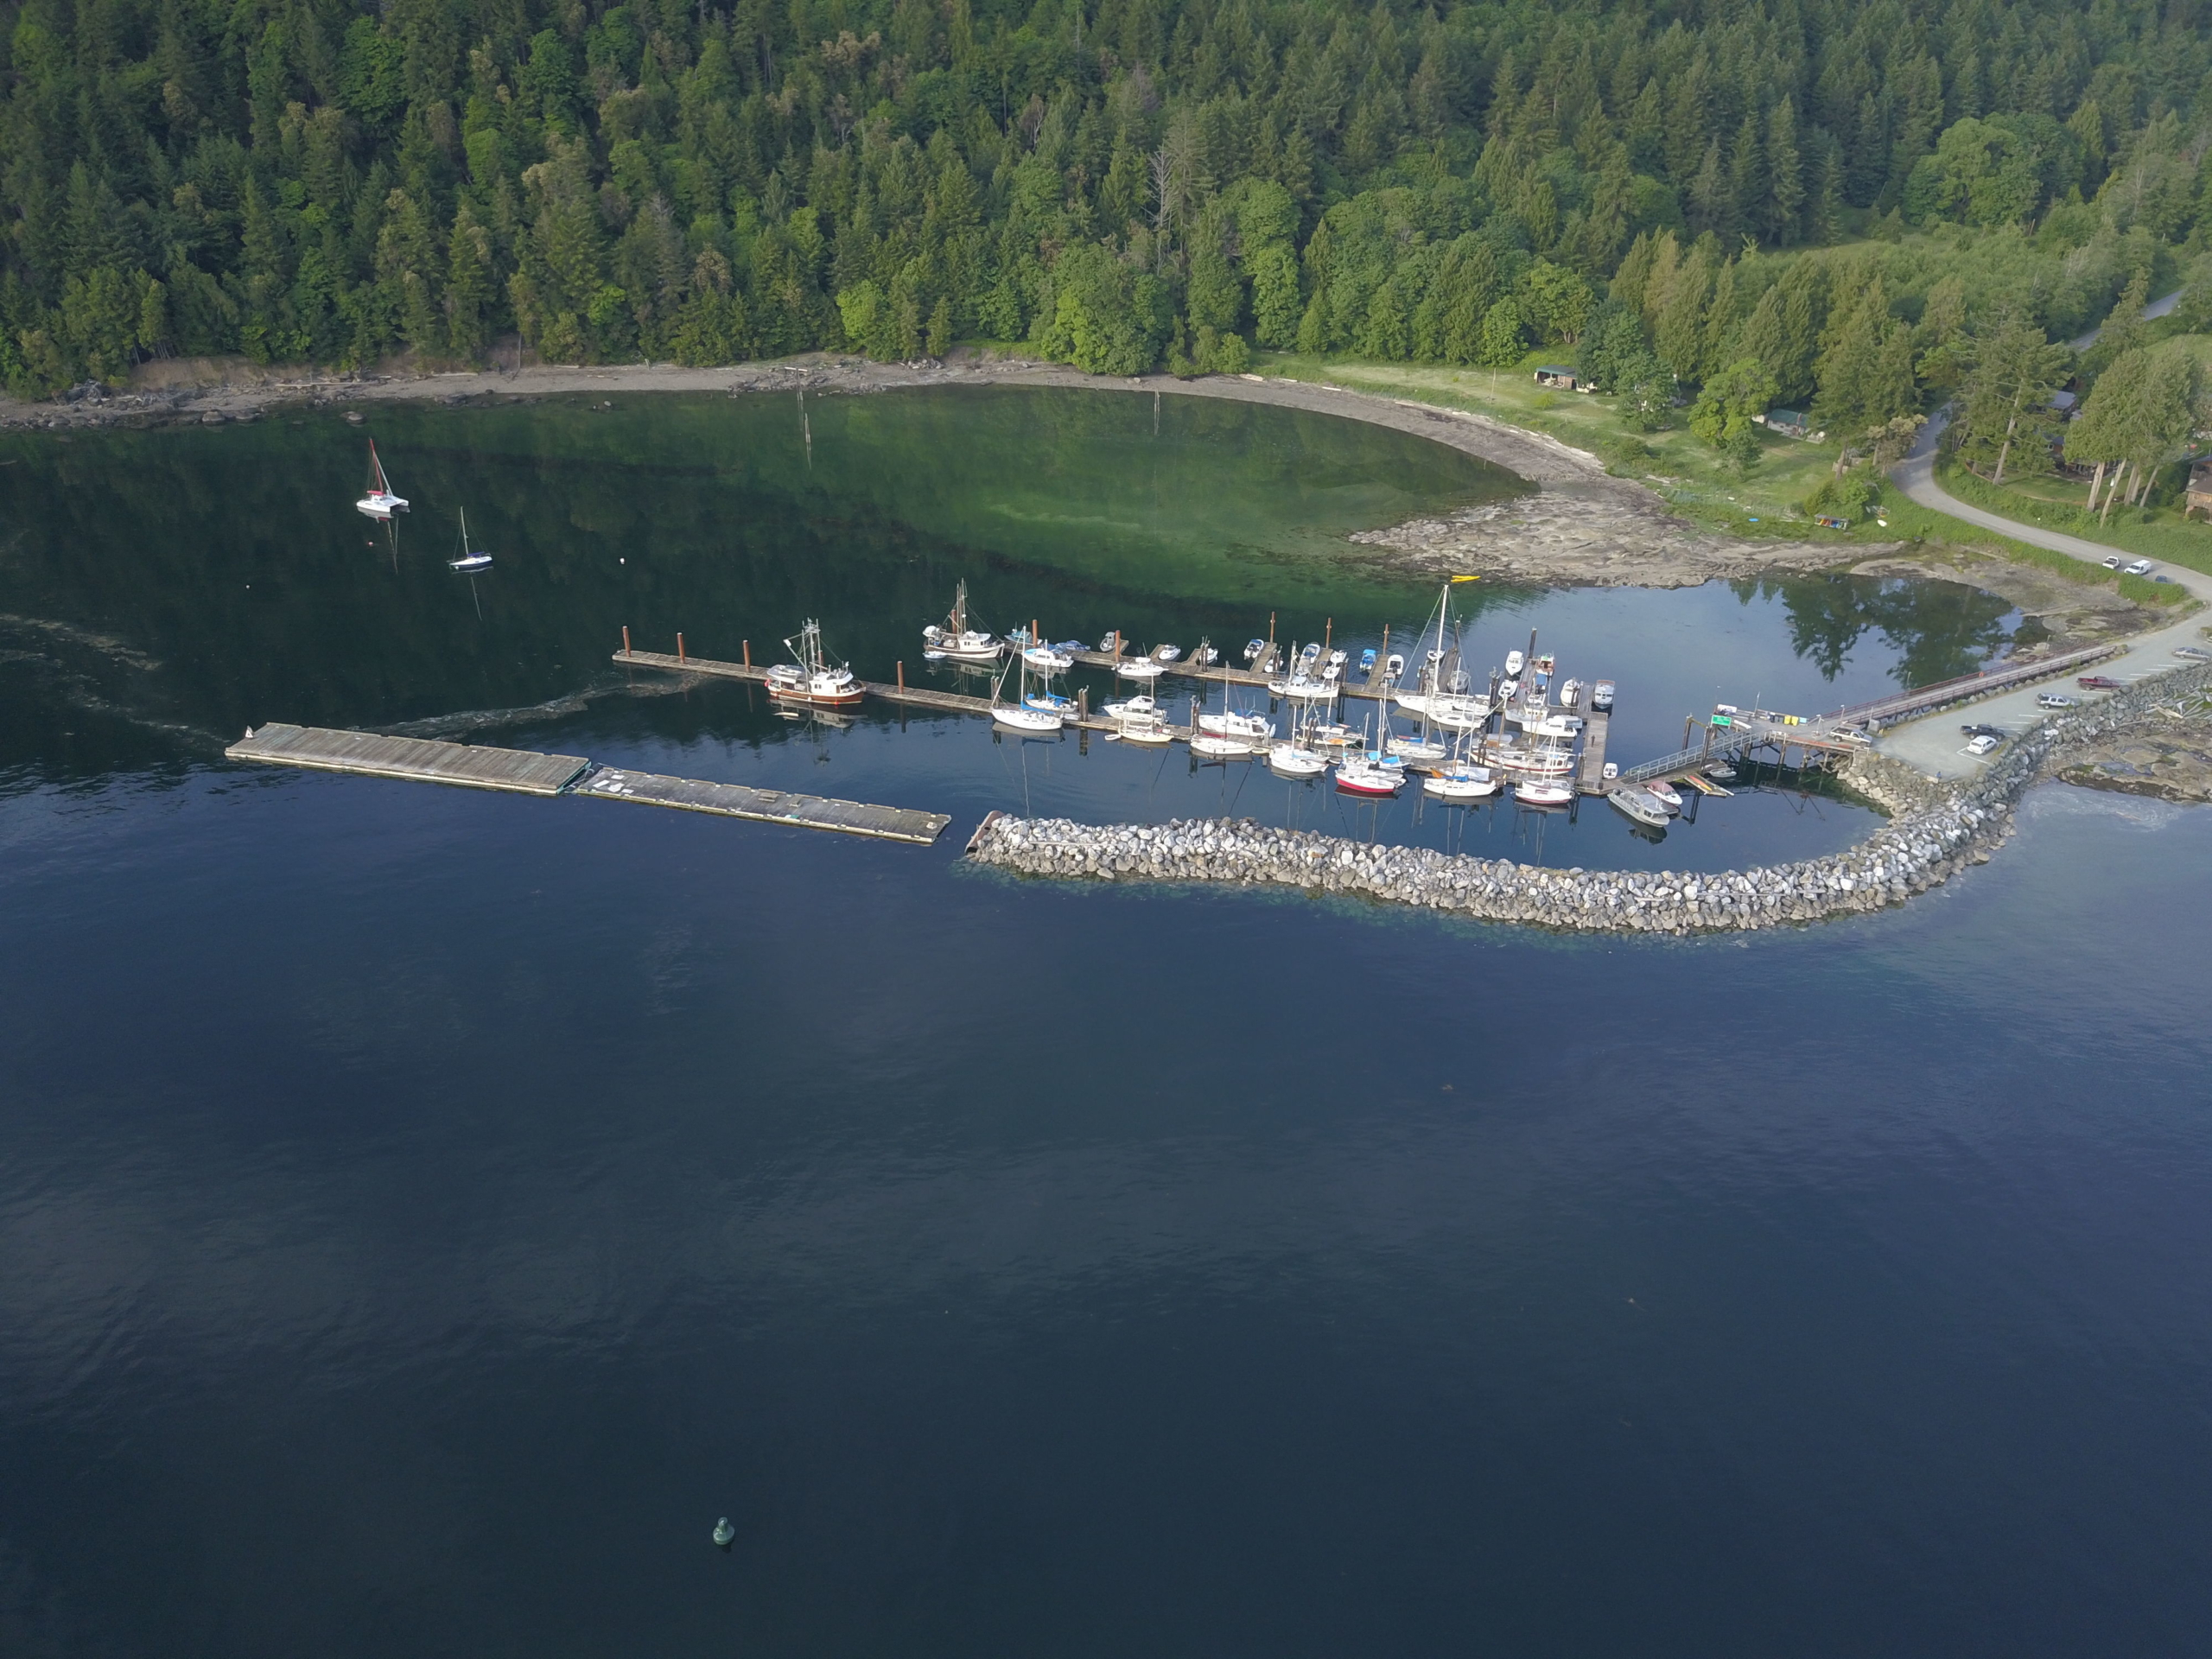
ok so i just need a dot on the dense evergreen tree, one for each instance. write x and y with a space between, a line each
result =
1120 182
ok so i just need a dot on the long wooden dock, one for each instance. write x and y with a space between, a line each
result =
912 697
526 772
764 805
417 759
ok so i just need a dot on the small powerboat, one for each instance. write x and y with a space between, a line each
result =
1640 805
1367 660
1395 668
1252 650
1166 653
1288 760
1138 668
1139 704
1048 660
1665 793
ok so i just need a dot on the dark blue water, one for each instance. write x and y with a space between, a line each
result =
423 1213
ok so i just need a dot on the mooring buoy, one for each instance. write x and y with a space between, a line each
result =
724 1533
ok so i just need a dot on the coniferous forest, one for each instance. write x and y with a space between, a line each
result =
1838 204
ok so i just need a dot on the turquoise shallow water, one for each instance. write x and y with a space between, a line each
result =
423 1213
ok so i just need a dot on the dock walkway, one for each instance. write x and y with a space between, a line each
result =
417 759
764 805
526 772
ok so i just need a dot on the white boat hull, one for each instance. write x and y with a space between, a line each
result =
1037 722
1286 760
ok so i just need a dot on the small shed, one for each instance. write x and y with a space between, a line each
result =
1790 422
2065 402
1557 377
2199 497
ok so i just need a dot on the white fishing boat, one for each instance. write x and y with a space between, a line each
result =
380 503
814 679
1138 668
470 562
1459 783
955 641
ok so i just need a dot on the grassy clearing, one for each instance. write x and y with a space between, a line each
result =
2157 533
1695 480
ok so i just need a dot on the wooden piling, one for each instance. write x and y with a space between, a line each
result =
679 647
902 677
747 643
625 638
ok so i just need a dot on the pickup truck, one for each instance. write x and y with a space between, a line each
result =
2099 683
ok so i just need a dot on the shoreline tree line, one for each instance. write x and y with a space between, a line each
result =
1835 205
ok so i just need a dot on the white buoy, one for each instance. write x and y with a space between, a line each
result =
724 1533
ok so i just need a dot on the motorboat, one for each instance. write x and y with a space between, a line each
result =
1509 688
1142 725
1252 650
1514 662
1358 775
1570 694
1367 660
1309 657
814 679
1139 704
1459 783
1543 793
1166 653
1601 697
1721 772
1048 660
380 503
470 562
1665 793
1111 645
1069 647
1337 659
1416 751
1206 657
955 640
1289 760
1396 667
1640 804
1250 728
1138 668
1301 687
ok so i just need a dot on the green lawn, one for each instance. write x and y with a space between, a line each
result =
2159 534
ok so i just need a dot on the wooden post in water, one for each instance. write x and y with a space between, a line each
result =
748 653
1689 723
625 638
1328 627
679 648
902 677
1082 702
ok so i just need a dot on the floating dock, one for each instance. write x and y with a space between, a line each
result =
523 772
416 759
764 805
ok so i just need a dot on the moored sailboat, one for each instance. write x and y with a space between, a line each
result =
470 562
381 502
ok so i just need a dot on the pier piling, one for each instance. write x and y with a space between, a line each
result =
679 647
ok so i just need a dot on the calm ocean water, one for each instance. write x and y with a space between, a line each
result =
422 1214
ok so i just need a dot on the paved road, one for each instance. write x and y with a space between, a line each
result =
1935 744
2157 308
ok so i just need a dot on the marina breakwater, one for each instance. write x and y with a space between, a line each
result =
1938 830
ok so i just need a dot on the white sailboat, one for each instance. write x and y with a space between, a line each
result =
470 562
380 503
1020 715
955 640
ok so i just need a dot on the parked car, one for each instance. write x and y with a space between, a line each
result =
2113 563
1983 744
2098 682
2057 700
2140 567
2196 651
1983 731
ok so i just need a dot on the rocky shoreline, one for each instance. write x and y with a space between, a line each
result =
1940 829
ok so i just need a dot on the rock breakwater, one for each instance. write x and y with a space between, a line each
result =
1948 828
